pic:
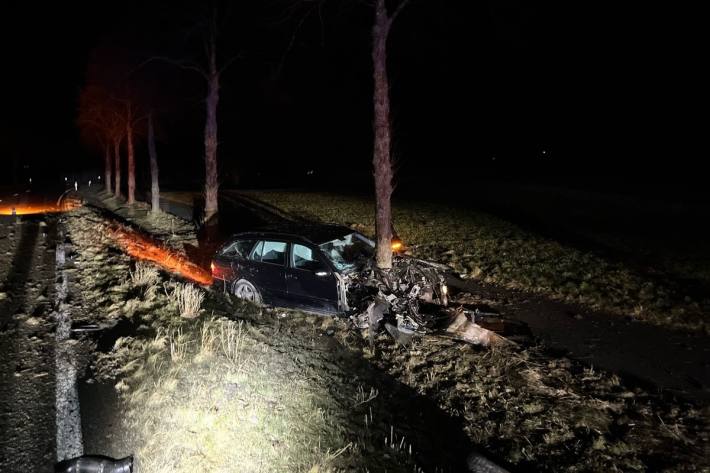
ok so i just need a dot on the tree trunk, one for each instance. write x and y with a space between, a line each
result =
211 175
107 168
154 187
117 170
381 160
131 162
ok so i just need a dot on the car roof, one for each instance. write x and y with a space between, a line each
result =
314 233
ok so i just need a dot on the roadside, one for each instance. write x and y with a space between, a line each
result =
671 360
27 343
281 386
525 407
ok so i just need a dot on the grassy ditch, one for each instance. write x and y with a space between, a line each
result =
215 384
480 246
207 383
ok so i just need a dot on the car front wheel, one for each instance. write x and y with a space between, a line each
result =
243 289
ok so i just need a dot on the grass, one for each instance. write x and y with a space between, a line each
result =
188 299
209 398
480 246
269 392
214 394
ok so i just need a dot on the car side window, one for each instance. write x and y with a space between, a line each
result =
303 257
240 248
274 252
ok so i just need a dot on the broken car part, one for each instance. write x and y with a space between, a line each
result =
95 464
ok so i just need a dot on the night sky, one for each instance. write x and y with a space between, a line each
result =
502 87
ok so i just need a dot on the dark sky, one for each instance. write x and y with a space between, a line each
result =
600 88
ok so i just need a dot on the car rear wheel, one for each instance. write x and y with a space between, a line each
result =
243 289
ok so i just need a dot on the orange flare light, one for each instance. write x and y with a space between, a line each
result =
396 246
38 208
144 248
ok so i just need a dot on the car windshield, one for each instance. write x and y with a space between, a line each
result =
346 252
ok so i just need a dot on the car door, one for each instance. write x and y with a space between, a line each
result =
265 268
310 282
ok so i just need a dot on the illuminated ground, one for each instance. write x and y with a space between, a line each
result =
306 393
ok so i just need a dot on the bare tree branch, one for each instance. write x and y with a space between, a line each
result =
282 62
398 10
229 62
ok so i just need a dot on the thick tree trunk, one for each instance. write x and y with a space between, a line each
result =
131 163
211 175
381 160
154 186
107 168
117 166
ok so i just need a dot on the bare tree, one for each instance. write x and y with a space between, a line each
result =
382 153
100 124
130 154
154 184
116 140
212 76
211 72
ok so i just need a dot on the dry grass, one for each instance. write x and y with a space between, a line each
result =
210 399
144 274
188 298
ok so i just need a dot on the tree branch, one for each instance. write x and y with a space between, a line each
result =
282 62
398 10
229 62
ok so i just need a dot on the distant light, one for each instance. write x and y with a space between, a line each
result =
65 179
30 180
98 177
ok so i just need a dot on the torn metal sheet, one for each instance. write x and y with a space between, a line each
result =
412 298
464 329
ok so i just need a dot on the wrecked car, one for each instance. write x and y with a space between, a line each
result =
330 269
320 268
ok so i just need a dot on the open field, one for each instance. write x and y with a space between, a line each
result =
486 248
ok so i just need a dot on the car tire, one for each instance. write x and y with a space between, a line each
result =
243 289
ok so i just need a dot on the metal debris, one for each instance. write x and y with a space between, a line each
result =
95 464
412 298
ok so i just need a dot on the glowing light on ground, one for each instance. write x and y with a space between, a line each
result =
144 248
39 208
29 209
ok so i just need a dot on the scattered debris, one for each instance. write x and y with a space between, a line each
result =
413 298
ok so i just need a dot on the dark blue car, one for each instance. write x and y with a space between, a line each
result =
298 267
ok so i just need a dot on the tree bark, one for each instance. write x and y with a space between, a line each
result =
154 185
117 169
107 167
381 159
131 160
211 174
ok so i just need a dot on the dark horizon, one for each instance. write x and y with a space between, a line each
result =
545 92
